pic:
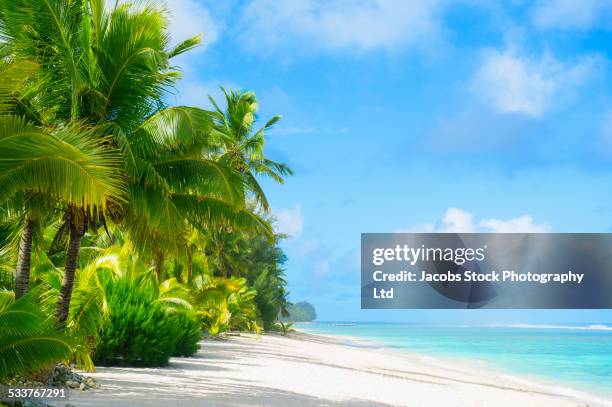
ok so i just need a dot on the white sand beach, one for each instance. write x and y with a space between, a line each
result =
308 370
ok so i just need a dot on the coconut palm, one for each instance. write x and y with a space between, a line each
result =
107 67
242 147
178 188
41 164
70 164
225 250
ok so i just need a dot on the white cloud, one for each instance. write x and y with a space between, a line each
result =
189 18
522 224
290 221
457 220
515 83
571 14
421 228
339 24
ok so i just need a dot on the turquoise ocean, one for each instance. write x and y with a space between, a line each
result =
577 357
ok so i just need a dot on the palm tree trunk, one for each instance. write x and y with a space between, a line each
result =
72 256
177 272
159 266
189 264
22 272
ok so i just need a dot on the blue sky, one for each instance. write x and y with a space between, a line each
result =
416 116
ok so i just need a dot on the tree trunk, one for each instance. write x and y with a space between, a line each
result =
22 272
189 264
159 266
177 271
72 257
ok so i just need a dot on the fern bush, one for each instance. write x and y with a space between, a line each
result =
140 331
190 334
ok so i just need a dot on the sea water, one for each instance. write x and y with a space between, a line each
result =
577 357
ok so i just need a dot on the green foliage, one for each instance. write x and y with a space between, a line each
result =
256 258
134 333
286 327
283 327
301 312
270 297
88 145
7 281
88 309
73 163
95 61
139 331
190 333
224 304
28 338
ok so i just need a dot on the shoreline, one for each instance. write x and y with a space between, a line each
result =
468 365
311 370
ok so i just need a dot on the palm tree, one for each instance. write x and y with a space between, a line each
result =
178 188
41 164
107 67
258 259
226 250
242 147
70 164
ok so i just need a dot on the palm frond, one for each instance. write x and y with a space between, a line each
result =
204 176
177 128
186 45
71 164
13 74
211 210
28 340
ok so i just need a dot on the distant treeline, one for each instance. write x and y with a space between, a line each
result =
301 312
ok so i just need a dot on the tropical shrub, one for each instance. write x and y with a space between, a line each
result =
190 333
225 304
135 333
139 330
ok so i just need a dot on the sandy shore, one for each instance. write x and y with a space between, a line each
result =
306 370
